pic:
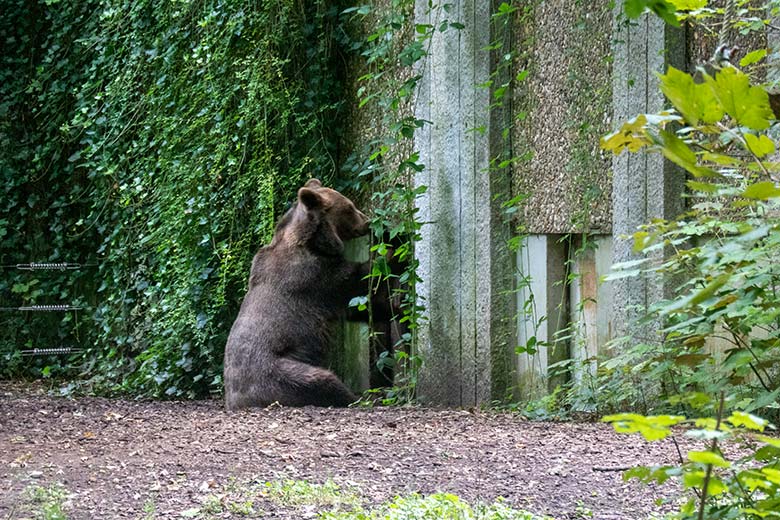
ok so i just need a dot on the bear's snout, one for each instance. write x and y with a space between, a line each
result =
362 227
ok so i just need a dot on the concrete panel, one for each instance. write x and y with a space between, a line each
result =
591 305
565 45
543 310
457 253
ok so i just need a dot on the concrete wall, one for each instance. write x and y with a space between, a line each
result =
578 87
589 69
565 45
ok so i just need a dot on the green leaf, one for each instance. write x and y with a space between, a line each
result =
761 191
702 186
689 5
632 136
769 440
747 420
708 457
753 57
696 297
760 145
651 427
680 154
694 101
662 8
746 104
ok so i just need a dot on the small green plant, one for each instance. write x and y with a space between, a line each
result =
746 487
150 508
440 506
300 492
46 502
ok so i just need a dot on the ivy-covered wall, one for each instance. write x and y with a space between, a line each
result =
156 143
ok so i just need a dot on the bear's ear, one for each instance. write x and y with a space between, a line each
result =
313 183
309 198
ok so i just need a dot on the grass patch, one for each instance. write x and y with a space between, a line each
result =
330 501
45 502
440 506
298 493
238 498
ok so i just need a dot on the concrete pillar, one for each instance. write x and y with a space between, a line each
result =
463 269
645 185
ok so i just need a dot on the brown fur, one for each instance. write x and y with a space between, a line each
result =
298 284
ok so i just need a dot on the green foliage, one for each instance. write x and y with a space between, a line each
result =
45 503
724 251
663 8
334 502
721 332
300 492
746 486
440 506
158 141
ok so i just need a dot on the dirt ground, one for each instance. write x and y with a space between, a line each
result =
116 457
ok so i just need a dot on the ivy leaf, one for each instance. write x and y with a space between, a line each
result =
761 191
361 302
747 105
760 145
753 57
662 8
696 102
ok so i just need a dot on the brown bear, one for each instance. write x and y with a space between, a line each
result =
298 285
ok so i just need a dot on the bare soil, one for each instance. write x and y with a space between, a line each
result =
115 456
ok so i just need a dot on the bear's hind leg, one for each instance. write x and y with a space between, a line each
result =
310 385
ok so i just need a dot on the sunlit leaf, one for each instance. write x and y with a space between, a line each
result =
688 5
747 420
695 101
747 105
760 145
651 427
761 191
702 186
753 57
708 457
631 136
772 441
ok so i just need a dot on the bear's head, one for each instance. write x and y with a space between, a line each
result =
324 218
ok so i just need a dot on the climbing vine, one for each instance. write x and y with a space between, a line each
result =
157 143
